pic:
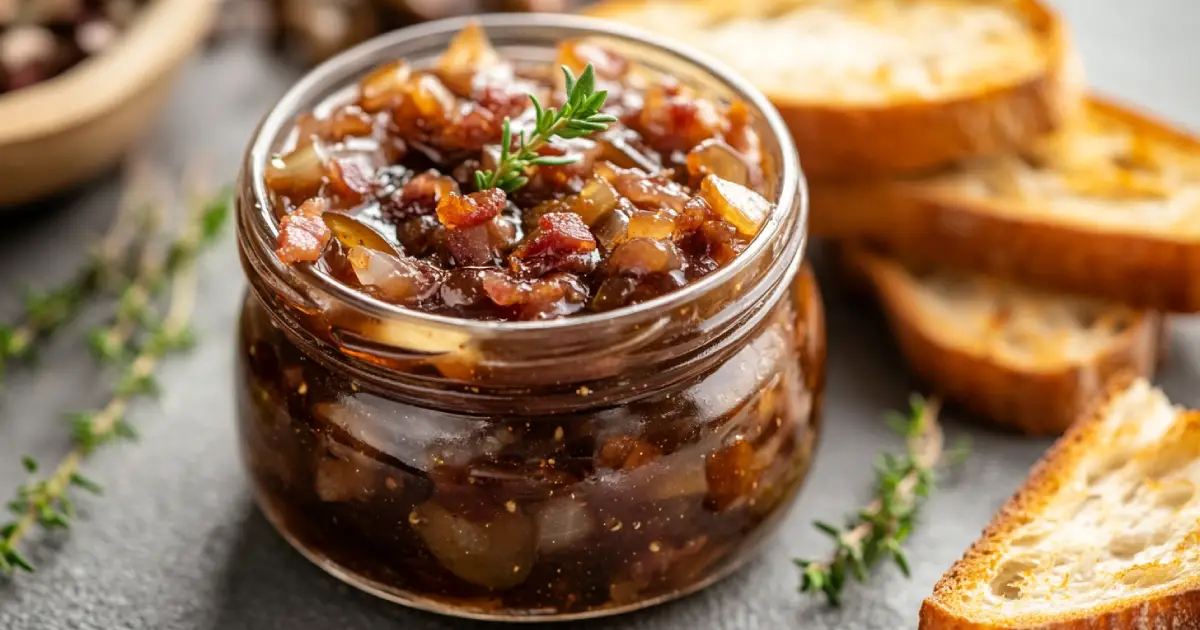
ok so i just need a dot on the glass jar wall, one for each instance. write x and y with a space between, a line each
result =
554 469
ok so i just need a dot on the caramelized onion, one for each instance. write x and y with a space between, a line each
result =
745 209
351 232
714 157
394 279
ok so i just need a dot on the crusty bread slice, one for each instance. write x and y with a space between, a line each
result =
1105 533
1108 207
1023 358
886 86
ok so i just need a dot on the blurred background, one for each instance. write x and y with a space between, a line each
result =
81 80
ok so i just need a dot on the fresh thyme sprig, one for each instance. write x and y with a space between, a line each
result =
879 530
46 502
47 312
579 116
135 299
156 264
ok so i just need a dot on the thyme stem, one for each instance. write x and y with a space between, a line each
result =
46 502
47 312
879 529
579 116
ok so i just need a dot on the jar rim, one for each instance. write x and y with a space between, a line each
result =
792 197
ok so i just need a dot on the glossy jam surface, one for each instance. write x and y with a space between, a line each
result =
563 515
379 190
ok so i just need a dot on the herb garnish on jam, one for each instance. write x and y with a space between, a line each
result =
580 116
485 189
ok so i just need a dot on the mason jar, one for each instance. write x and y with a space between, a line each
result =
544 470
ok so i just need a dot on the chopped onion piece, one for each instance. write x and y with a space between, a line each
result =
298 174
384 88
643 256
496 553
743 208
595 201
353 233
469 53
562 524
714 157
395 280
651 224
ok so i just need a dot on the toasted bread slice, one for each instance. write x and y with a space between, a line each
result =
1105 533
1023 358
886 86
1109 207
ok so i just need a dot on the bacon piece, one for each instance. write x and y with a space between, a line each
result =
419 197
482 244
303 234
562 242
456 211
558 234
679 121
351 177
544 298
503 100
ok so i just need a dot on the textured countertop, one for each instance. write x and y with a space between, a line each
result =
176 543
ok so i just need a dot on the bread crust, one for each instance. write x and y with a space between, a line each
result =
904 217
841 141
1177 610
1039 402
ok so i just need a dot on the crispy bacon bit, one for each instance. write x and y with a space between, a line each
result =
351 177
470 130
457 211
721 241
553 296
678 122
503 100
558 233
303 235
482 244
419 197
695 212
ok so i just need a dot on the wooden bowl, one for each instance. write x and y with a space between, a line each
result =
65 130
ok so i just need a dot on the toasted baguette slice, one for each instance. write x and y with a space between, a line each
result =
1105 533
1110 207
886 86
1023 358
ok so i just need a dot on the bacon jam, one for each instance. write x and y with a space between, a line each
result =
380 192
577 468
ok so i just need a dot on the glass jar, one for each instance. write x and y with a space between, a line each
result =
557 469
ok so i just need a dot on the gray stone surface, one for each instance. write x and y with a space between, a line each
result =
177 545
